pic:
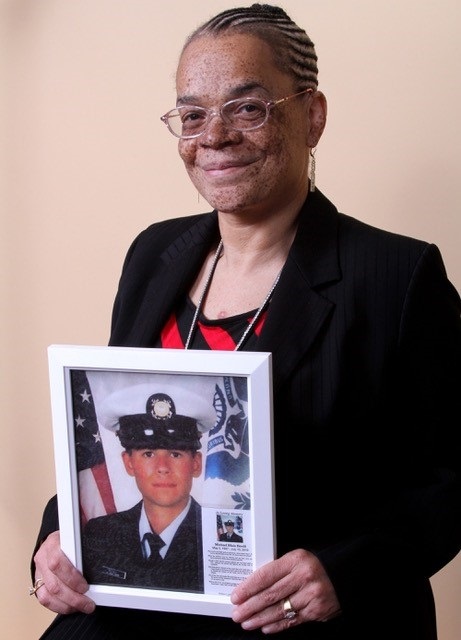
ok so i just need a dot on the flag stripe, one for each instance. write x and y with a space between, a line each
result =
104 487
91 504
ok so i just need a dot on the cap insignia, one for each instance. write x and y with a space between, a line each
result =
161 408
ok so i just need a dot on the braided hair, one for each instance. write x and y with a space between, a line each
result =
293 50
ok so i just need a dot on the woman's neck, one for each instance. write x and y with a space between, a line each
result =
251 243
250 260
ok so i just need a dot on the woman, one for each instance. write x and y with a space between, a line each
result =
364 328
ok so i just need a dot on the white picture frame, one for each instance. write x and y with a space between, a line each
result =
239 384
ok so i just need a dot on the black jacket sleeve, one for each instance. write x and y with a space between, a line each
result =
50 523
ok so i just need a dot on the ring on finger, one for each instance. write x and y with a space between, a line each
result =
37 584
288 612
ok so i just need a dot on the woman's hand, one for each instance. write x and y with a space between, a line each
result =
299 576
61 586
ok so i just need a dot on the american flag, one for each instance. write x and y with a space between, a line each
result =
95 491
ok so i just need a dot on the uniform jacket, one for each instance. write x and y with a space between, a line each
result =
234 537
365 334
112 553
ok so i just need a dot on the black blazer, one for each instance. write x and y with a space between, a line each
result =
112 553
365 333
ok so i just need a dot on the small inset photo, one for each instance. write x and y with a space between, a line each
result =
229 528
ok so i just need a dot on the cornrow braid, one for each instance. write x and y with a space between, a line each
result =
294 51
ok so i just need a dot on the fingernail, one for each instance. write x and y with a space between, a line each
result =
90 607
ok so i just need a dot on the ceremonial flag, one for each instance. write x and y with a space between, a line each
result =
227 455
95 491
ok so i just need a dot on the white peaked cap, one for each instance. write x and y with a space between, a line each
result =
118 394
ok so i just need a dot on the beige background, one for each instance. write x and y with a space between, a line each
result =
86 164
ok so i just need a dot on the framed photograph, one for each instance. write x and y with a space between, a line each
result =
164 472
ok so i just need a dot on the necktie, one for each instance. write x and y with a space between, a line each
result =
155 543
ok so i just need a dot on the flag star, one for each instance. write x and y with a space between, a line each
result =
85 396
97 437
79 421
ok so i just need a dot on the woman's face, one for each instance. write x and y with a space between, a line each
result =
255 171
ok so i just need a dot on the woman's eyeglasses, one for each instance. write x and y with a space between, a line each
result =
242 114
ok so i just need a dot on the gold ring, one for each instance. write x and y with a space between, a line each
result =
37 584
288 612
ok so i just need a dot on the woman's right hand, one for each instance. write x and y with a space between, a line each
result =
63 587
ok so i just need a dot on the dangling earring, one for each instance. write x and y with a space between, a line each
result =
312 170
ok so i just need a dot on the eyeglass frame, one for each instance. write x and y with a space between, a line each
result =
210 113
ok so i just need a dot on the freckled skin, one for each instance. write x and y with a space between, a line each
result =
257 172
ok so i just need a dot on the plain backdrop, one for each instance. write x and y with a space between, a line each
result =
86 163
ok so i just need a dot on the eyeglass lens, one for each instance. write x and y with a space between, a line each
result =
245 114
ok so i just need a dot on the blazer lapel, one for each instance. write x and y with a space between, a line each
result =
298 310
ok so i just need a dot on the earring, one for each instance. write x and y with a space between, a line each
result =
312 170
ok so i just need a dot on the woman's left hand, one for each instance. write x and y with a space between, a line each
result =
297 576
